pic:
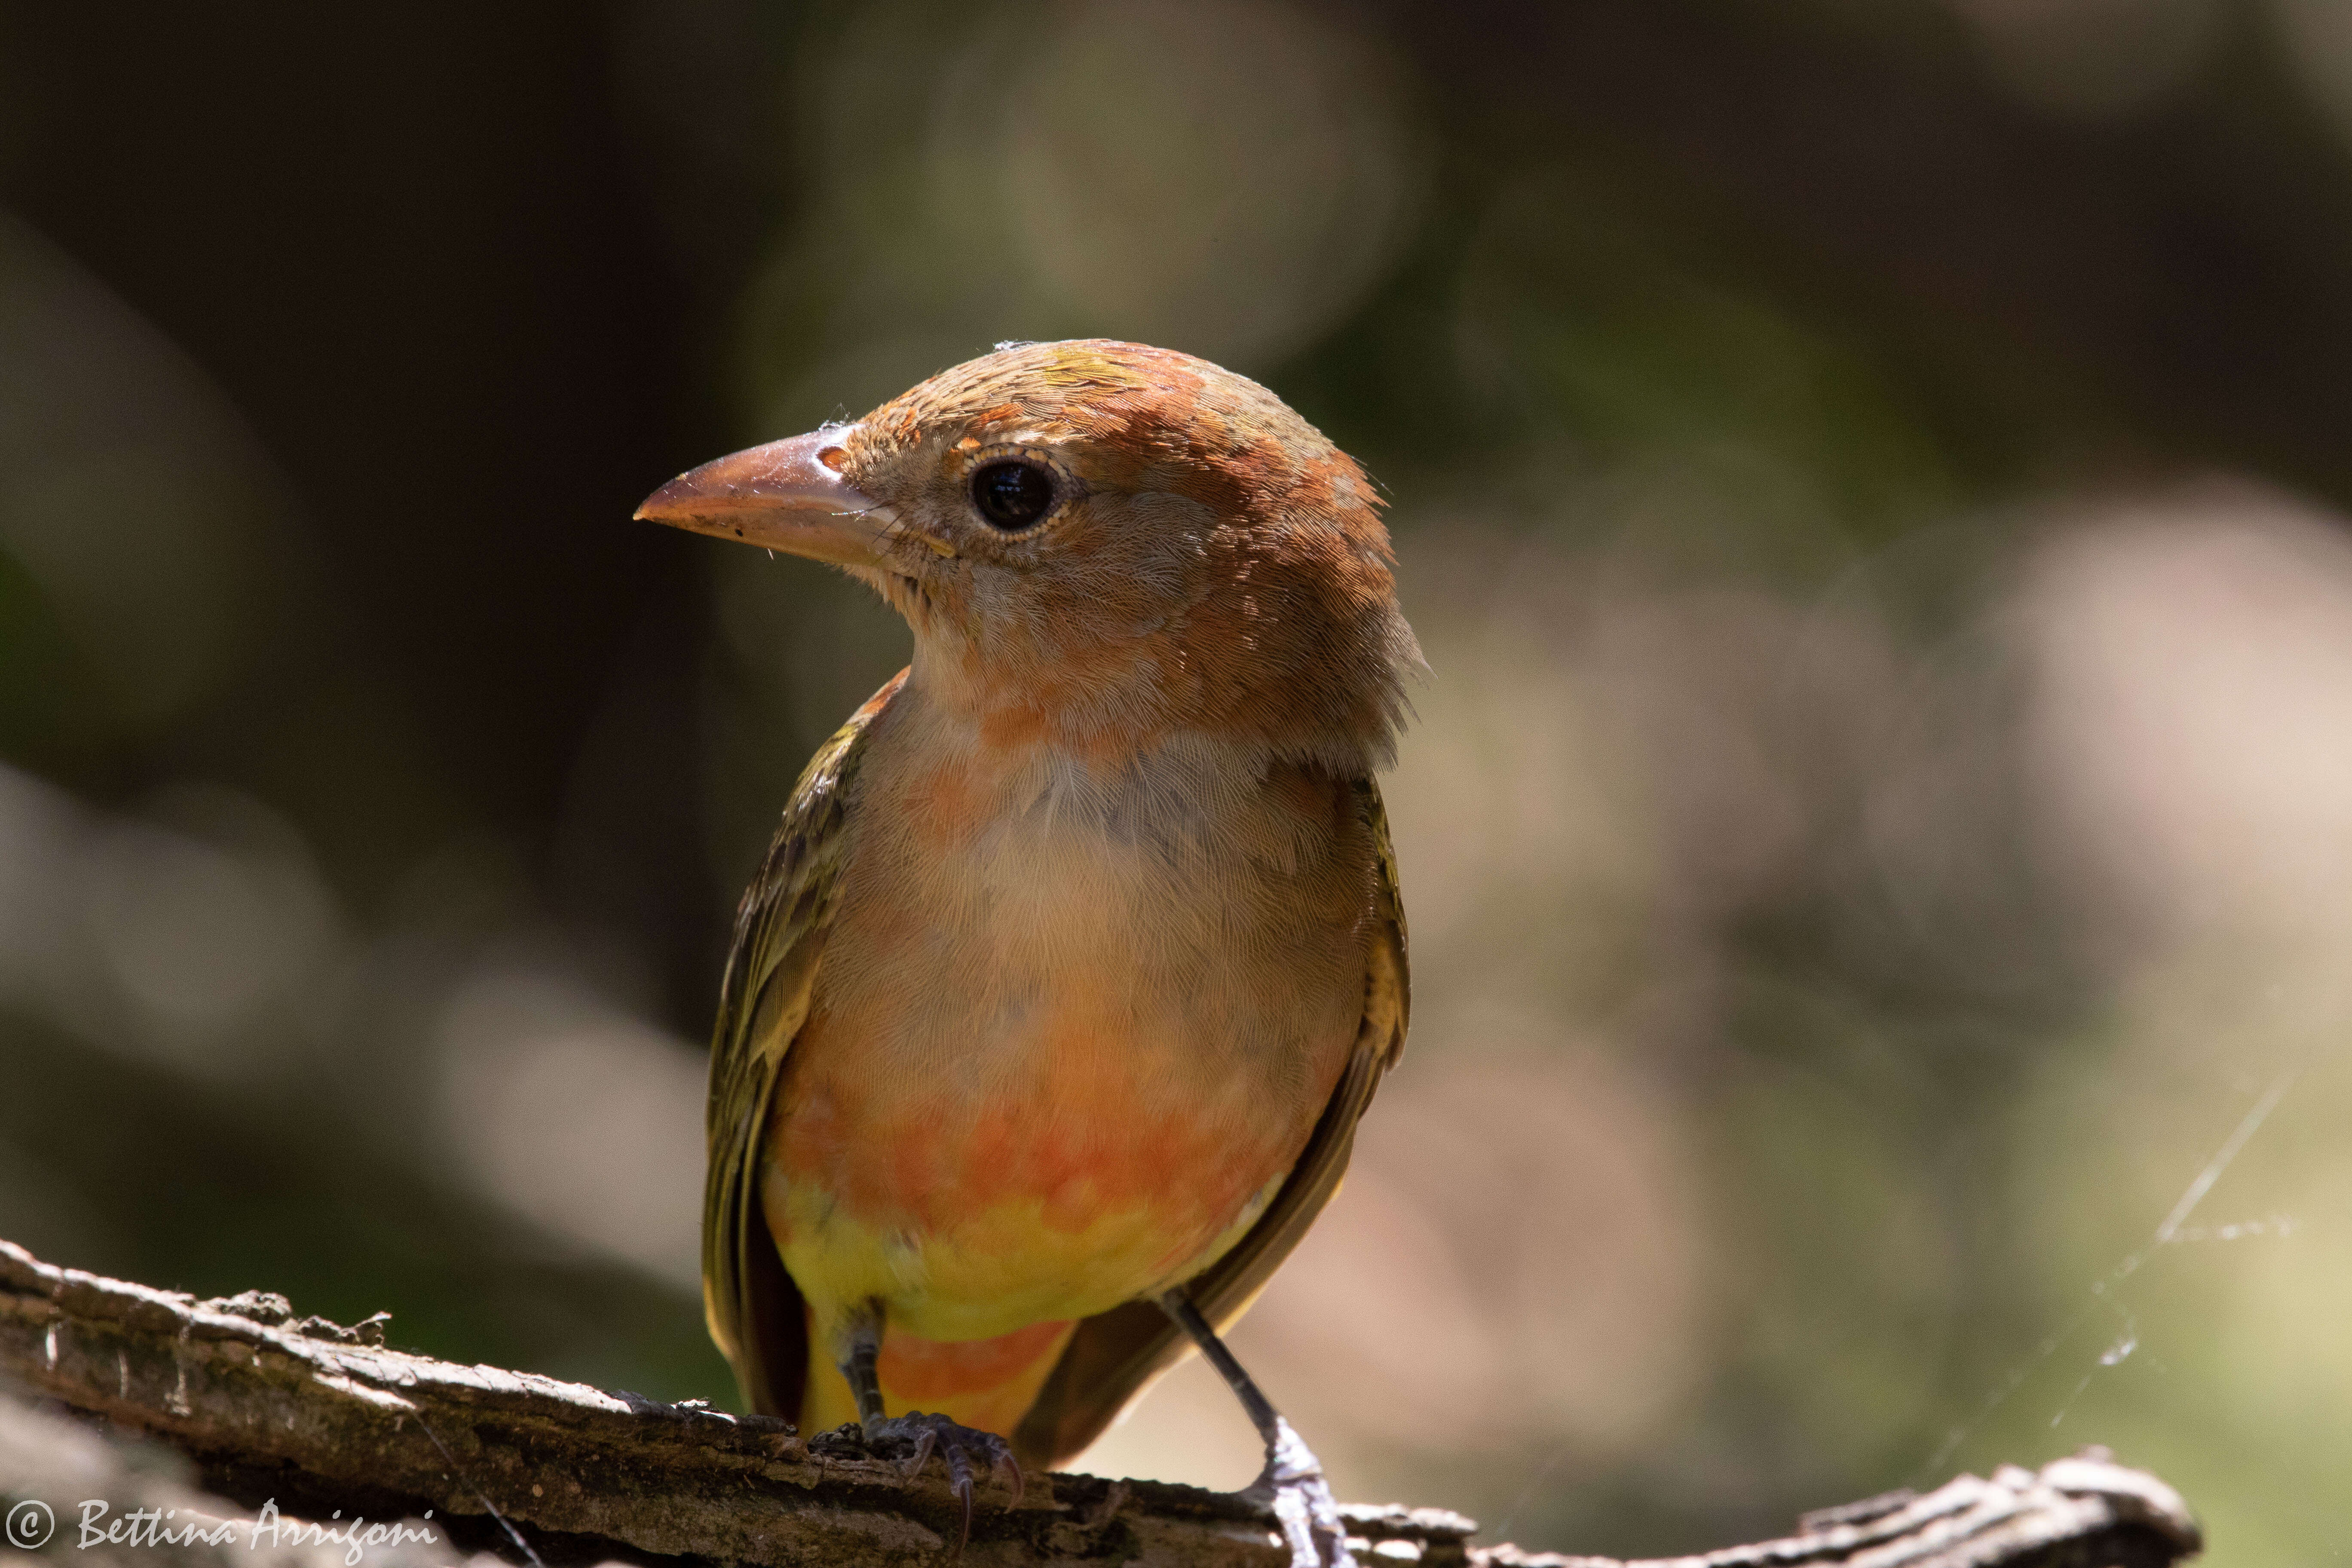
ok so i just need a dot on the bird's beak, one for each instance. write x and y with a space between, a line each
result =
787 495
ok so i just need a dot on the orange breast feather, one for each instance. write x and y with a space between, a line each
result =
1051 1064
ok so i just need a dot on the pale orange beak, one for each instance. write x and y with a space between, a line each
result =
787 495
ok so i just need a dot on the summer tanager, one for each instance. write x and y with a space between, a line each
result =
1078 954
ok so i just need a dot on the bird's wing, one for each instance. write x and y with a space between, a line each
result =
752 1305
1113 1356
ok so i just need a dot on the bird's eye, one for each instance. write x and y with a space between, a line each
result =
1012 495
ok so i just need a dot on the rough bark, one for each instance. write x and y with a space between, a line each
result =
317 1417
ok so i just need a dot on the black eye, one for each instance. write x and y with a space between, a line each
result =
1012 495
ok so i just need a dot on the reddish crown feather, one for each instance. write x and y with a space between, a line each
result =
1267 610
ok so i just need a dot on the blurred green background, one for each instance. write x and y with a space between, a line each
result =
1869 475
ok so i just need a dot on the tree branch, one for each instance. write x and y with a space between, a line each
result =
319 1417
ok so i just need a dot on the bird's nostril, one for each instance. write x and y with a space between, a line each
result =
834 458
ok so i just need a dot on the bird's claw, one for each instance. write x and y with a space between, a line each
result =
957 1446
1293 1486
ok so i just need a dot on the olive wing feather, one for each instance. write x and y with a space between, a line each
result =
752 1306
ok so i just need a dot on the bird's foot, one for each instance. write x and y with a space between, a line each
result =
1292 1484
959 1447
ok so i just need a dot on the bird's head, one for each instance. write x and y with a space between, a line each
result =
1101 544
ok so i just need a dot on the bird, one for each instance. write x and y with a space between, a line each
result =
1079 952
